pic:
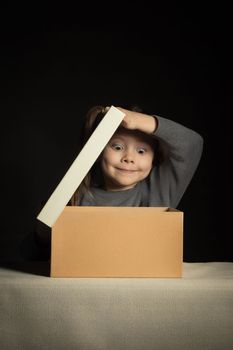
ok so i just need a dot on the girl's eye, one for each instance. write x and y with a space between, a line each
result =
117 147
141 150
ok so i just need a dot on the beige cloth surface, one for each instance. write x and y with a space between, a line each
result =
194 312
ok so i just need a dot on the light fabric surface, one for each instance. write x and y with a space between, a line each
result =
194 312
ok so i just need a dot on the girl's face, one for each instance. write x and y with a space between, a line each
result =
126 160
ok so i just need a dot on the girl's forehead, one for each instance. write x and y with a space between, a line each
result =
132 136
127 138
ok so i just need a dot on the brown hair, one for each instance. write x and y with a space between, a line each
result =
92 119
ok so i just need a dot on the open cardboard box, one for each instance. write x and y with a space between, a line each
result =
109 241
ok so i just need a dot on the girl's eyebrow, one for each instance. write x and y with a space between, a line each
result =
115 138
124 139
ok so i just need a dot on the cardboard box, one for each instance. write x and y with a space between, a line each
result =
117 242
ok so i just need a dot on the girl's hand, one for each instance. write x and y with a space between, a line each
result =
135 120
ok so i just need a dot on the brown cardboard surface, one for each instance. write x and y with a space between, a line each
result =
117 242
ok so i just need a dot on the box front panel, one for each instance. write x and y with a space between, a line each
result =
117 242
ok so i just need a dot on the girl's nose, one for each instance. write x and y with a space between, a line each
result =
128 158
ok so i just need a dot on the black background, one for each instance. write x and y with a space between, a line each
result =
57 62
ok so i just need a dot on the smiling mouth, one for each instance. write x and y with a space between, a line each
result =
126 171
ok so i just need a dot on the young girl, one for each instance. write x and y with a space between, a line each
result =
148 162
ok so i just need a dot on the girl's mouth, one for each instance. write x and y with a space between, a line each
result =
127 171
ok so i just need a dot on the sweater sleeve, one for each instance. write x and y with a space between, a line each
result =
182 149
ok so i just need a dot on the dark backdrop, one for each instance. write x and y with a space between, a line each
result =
58 62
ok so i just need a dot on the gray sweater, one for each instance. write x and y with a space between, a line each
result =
167 182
